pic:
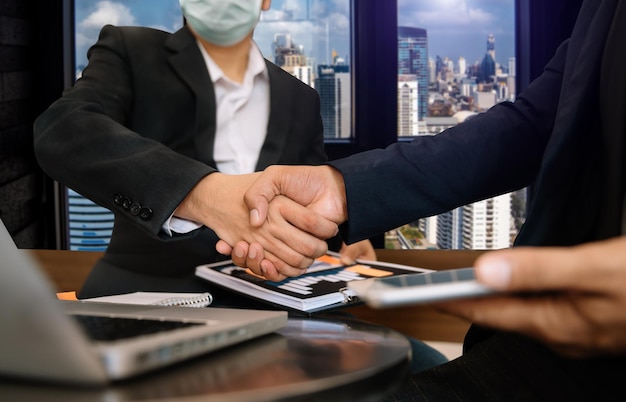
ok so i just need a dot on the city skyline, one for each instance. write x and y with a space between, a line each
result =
460 27
455 27
321 28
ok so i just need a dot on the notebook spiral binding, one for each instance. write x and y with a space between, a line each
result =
347 297
203 300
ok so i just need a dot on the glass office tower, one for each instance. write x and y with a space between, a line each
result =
413 59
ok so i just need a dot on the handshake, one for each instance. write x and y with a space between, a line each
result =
274 222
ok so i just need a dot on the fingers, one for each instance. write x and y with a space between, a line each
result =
552 319
287 249
265 264
536 269
320 188
248 255
304 219
503 312
362 250
223 248
295 248
572 298
299 246
260 194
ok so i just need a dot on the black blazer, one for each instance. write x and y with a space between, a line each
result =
550 138
136 131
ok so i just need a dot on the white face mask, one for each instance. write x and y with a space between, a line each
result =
222 22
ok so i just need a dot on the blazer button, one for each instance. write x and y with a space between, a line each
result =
145 213
118 199
126 203
135 209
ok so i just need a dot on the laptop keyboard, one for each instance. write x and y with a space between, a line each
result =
101 328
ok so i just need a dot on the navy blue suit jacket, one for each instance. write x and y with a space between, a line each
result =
550 138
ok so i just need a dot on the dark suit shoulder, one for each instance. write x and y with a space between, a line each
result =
143 45
134 34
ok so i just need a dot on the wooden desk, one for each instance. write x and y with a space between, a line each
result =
68 270
422 322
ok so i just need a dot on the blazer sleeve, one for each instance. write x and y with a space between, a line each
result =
490 154
84 139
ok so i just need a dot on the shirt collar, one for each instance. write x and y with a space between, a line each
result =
256 65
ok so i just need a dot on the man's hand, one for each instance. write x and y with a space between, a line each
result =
217 202
319 188
573 299
362 250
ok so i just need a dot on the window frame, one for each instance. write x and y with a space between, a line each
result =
539 28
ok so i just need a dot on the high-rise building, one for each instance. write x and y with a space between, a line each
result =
511 78
450 229
413 59
488 64
334 87
304 74
487 224
483 225
462 66
282 47
512 66
491 46
432 70
484 97
407 105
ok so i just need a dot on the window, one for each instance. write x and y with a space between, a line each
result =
456 59
89 226
311 40
308 38
459 59
386 71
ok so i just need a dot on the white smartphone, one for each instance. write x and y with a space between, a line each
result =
419 288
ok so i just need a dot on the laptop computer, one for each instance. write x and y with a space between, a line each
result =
44 338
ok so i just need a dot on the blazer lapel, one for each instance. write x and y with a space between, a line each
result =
187 61
281 102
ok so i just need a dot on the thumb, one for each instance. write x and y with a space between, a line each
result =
259 195
531 269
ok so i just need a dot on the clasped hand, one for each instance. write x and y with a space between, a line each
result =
289 237
316 202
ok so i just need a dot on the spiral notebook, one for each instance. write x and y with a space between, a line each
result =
56 341
158 299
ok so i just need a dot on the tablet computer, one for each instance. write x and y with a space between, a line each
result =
419 288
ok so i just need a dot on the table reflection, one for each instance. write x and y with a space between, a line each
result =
307 356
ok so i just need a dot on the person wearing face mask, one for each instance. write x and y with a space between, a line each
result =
160 128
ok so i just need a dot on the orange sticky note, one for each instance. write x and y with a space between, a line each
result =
67 296
368 271
329 259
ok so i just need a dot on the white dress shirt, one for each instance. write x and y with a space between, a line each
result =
242 115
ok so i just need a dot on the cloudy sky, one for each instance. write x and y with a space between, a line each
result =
460 27
455 27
